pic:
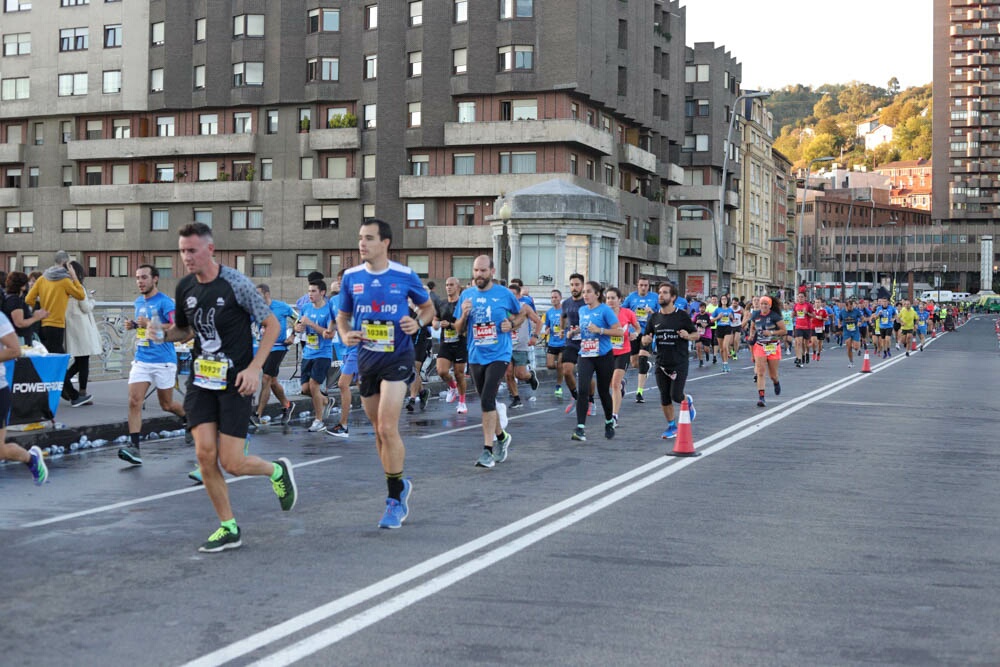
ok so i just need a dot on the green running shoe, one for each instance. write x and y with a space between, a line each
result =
284 487
221 540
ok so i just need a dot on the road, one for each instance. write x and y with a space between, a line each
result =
854 521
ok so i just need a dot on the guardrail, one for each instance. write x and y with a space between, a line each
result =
117 344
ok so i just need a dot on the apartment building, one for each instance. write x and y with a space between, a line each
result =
783 218
285 124
966 144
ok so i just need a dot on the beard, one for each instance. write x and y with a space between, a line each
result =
481 283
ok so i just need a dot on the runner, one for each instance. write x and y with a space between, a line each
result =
713 303
703 325
269 384
218 304
155 360
570 323
598 323
316 323
489 313
454 351
374 314
820 316
667 326
736 335
621 347
10 348
722 318
767 328
348 357
865 325
422 344
851 319
802 314
643 303
884 316
523 338
555 341
924 316
907 318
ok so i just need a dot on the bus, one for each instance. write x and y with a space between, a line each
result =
836 290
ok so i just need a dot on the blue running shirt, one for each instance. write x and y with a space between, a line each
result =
317 347
487 343
283 312
642 306
146 349
552 320
595 344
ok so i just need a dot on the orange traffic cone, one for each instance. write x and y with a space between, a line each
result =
685 441
933 332
866 367
913 345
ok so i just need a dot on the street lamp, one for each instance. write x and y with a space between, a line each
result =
802 215
720 240
504 214
711 217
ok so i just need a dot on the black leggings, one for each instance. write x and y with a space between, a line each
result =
81 366
671 388
487 378
604 366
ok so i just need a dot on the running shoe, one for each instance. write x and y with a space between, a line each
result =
777 389
638 396
715 359
195 475
570 407
609 429
462 408
409 404
921 347
339 431
578 434
284 486
286 415
671 432
36 464
425 395
614 418
404 497
82 399
393 516
452 395
317 426
623 387
533 381
725 367
221 540
559 391
485 459
907 353
188 436
501 447
502 416
592 410
850 365
760 402
701 364
691 411
130 454
254 420
516 403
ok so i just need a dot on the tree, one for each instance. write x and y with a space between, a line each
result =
893 86
826 107
820 146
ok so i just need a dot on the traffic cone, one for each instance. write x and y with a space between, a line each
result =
933 332
866 367
685 442
913 345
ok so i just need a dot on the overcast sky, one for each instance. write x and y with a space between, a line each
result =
812 42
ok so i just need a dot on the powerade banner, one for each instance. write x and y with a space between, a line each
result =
35 384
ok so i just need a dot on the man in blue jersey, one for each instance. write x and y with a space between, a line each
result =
316 324
155 360
643 303
555 341
851 319
884 315
489 314
272 365
374 315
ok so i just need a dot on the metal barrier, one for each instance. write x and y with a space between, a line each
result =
117 344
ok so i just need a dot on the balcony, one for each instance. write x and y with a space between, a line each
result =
209 144
528 132
11 153
637 157
459 237
336 188
161 193
337 139
10 197
672 173
732 199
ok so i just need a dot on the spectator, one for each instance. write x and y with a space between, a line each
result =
53 290
82 341
18 311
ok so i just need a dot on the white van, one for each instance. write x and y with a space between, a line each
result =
938 295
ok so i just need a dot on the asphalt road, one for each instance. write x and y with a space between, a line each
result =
852 522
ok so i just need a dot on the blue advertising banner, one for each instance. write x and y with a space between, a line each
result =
35 384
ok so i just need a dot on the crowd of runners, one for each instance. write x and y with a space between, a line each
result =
377 321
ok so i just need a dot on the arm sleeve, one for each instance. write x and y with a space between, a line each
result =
247 296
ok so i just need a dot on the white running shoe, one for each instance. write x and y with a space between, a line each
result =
452 395
462 409
317 426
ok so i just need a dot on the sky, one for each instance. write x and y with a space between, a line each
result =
812 42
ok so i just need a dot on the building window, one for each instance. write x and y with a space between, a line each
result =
17 44
420 264
519 110
623 34
112 83
321 217
538 256
459 59
420 165
323 20
17 6
33 177
248 25
689 247
243 122
414 215
371 66
622 81
590 169
417 12
164 265
67 176
202 215
461 267
112 36
367 212
156 33
305 264
208 171
15 89
260 266
74 39
165 173
464 164
165 126
701 142
572 164
518 57
156 80
199 77
76 220
241 169
199 29
39 133
208 123
94 175
609 175
72 84
13 178
323 69
521 9
246 217
114 220
120 174
416 63
413 114
466 112
461 11
272 121
248 74
73 3
159 220
266 169
465 215
368 165
94 129
370 116
696 73
119 266
306 168
517 163
336 167
371 17
20 222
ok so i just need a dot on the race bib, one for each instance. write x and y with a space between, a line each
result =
642 314
724 321
378 336
450 336
484 334
210 374
312 340
556 331
850 327
818 329
590 347
142 337
617 342
771 348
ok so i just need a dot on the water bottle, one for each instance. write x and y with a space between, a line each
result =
156 328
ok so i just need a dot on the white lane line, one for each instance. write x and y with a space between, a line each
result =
148 499
715 442
479 424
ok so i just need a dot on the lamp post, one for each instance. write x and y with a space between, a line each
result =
711 217
720 239
504 214
802 215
